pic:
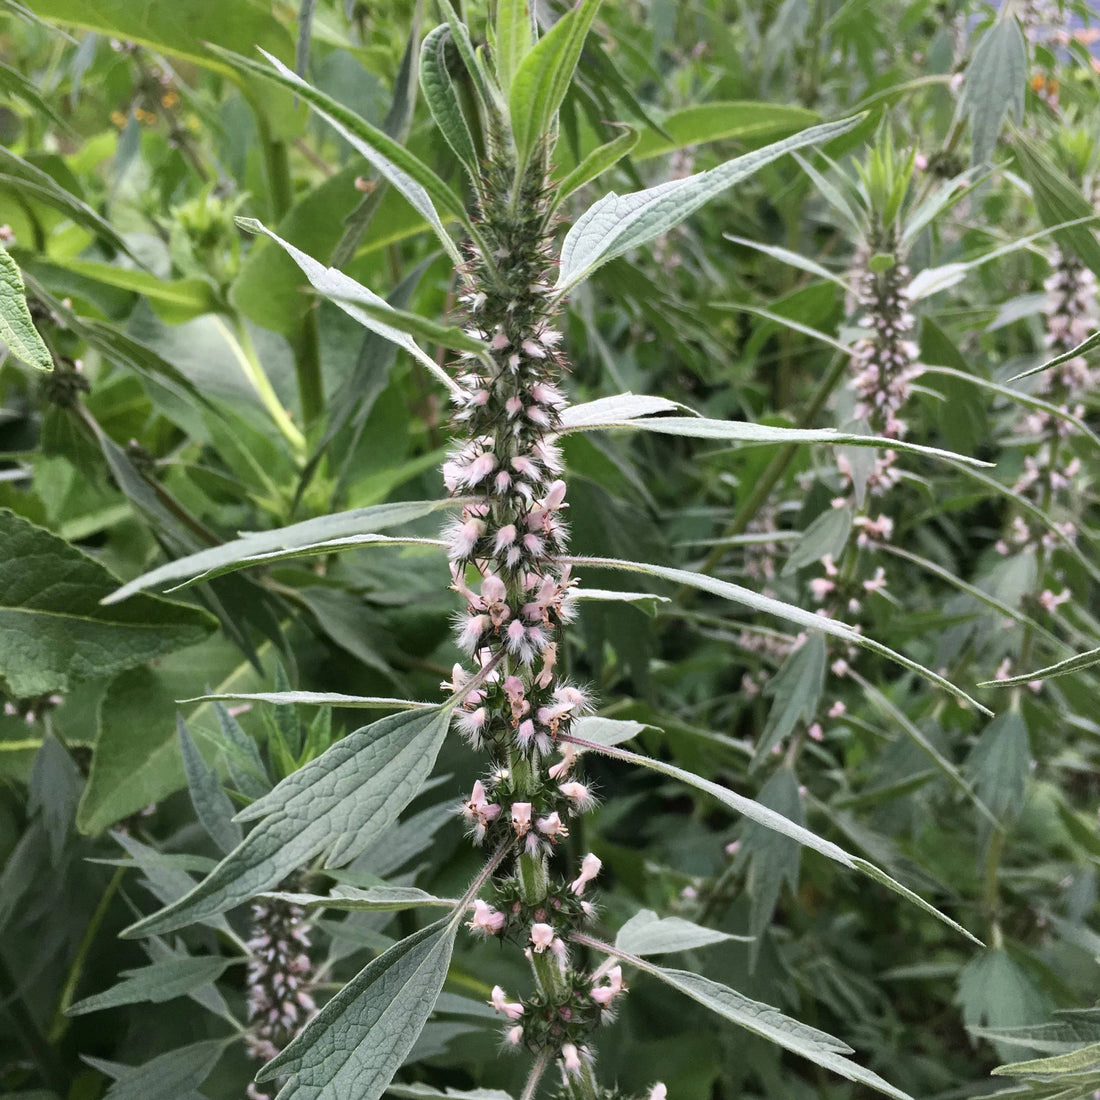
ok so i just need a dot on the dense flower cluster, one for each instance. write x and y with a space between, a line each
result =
505 548
279 972
1048 477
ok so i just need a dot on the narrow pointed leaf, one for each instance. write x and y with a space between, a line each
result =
423 189
647 934
1091 343
358 521
1062 668
442 99
369 309
618 223
614 410
805 620
317 699
514 39
338 804
212 805
754 811
597 162
358 1040
17 329
544 76
372 899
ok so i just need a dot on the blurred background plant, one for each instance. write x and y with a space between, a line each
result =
201 390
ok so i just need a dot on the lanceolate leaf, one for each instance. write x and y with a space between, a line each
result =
212 805
358 521
54 632
373 899
772 820
543 78
17 329
337 805
806 620
355 1044
1089 344
618 223
514 39
647 934
613 410
597 162
442 99
994 85
1062 668
368 308
762 1019
159 982
409 175
317 699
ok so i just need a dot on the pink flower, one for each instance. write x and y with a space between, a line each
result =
552 826
511 1009
658 1092
565 765
578 794
816 732
837 709
514 1035
542 936
590 868
486 919
603 995
571 1059
521 817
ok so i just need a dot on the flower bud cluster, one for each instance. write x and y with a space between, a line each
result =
1071 315
279 973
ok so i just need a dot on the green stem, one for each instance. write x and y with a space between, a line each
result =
244 351
61 1021
307 367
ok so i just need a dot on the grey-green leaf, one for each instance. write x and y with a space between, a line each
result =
796 692
158 982
618 223
607 731
754 811
356 1043
762 1019
1062 668
647 934
827 535
212 805
805 620
372 899
338 804
442 99
543 78
357 521
994 86
54 632
17 329
597 162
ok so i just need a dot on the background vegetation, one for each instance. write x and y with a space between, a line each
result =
200 390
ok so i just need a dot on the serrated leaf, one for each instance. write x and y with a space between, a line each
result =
336 804
596 163
647 934
55 633
754 811
55 788
827 535
618 223
159 982
544 76
994 87
356 1043
994 991
373 899
212 805
1000 763
310 532
407 173
442 99
796 691
1058 200
17 329
762 1019
767 605
175 1075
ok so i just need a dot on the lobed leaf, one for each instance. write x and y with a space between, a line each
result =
337 804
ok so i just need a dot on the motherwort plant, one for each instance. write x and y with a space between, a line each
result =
509 562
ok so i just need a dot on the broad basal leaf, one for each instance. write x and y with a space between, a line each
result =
17 329
355 1044
337 805
54 632
618 223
